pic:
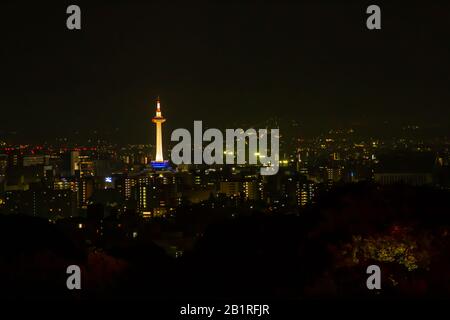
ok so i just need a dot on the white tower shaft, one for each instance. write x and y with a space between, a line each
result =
158 119
159 152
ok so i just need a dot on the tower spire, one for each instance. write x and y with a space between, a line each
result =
158 107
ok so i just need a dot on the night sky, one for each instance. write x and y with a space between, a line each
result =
244 62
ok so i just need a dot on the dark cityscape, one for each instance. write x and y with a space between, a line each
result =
88 178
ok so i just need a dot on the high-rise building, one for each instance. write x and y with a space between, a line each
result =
34 160
86 189
230 188
71 163
413 168
86 166
252 190
306 191
65 184
3 167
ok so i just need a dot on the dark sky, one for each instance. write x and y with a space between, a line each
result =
314 62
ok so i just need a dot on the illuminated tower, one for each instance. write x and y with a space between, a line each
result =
158 119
